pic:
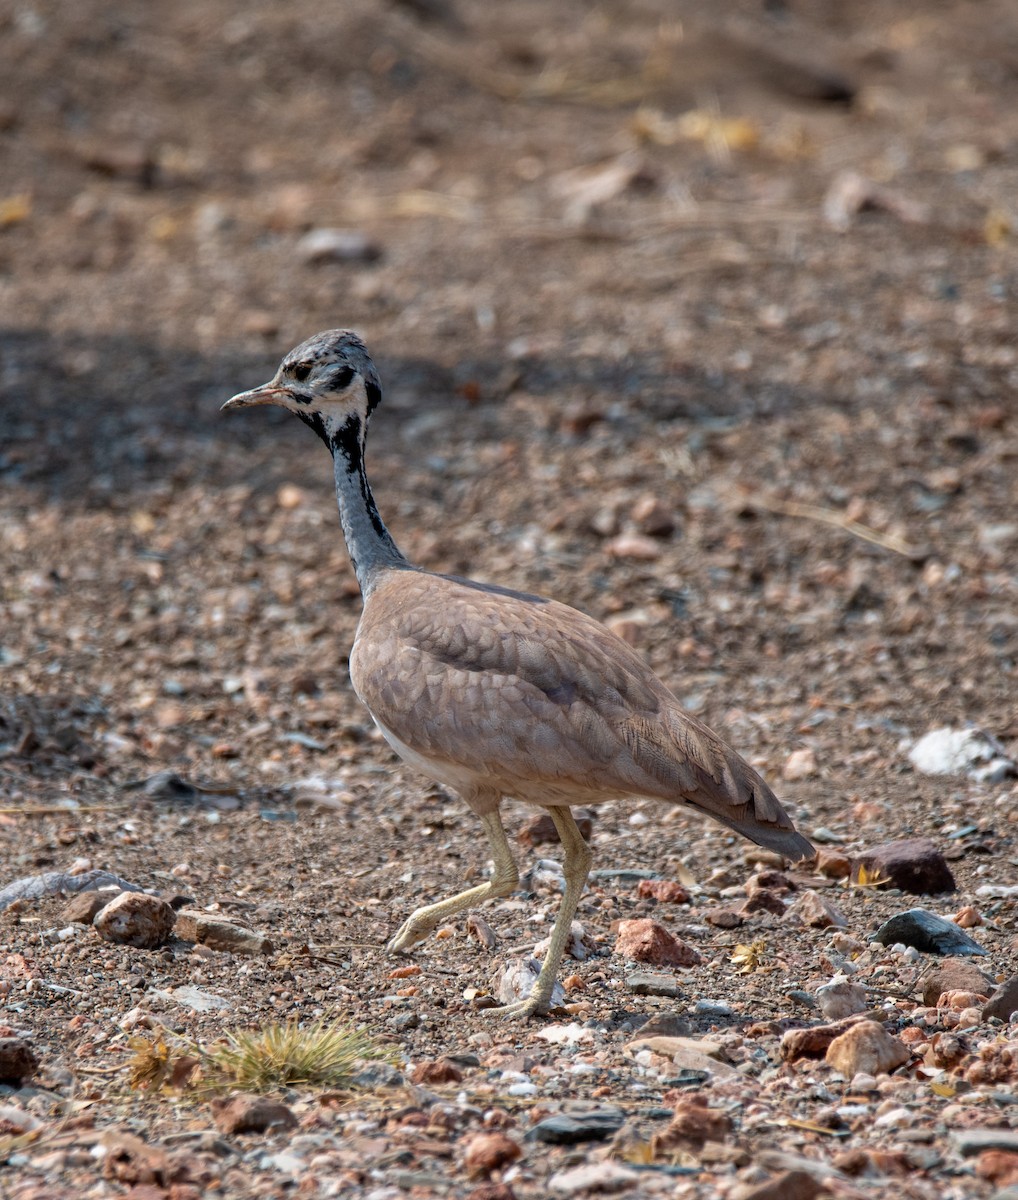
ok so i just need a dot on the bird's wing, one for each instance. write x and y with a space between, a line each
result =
535 698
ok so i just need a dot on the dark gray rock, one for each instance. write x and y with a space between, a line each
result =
969 1142
1004 1001
17 1061
665 1024
563 1129
927 932
379 1075
650 983
914 865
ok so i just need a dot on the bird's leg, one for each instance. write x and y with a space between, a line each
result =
575 866
422 923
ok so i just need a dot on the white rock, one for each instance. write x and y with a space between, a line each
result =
604 1176
971 752
577 947
194 998
566 1035
841 998
518 979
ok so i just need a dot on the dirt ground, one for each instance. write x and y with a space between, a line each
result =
702 324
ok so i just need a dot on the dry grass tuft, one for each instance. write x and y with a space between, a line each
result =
323 1054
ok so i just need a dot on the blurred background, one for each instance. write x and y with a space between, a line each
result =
700 317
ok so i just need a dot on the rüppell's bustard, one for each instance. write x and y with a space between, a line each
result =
496 693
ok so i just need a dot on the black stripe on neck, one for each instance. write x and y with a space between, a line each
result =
348 441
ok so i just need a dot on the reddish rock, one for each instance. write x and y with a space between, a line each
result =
999 1166
665 891
763 901
816 912
832 864
866 1047
859 1161
217 934
789 1185
82 908
968 917
436 1070
771 881
813 1042
634 545
800 764
487 1152
540 828
646 941
652 517
17 1061
1004 1001
129 1159
134 919
692 1125
914 865
946 1050
954 975
997 1062
243 1113
959 1001
724 918
492 1191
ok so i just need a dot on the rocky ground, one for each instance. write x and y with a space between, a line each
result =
705 327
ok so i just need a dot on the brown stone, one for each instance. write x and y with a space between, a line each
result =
1003 1002
244 1113
763 900
771 881
217 934
135 919
487 1152
540 828
665 891
789 1185
813 1042
959 1001
999 1166
82 908
866 1047
17 1061
816 912
724 918
436 1070
832 864
692 1125
130 1160
914 865
492 1191
652 517
646 941
953 975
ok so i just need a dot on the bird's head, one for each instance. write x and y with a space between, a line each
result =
329 381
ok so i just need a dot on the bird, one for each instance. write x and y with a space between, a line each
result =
500 694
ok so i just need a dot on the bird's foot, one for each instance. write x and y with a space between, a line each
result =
533 1006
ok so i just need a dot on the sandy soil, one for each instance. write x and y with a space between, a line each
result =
704 327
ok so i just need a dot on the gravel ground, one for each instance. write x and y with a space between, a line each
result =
705 328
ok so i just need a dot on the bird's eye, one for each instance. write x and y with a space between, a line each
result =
301 371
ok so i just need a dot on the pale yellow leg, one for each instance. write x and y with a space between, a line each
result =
422 923
575 866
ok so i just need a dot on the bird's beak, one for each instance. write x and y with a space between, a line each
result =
268 393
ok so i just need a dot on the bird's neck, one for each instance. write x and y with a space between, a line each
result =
369 543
